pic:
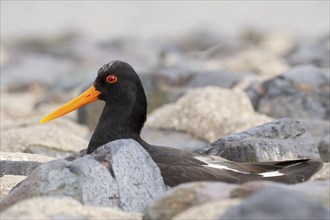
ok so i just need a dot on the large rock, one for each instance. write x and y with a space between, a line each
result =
282 139
208 210
316 191
302 92
53 139
277 203
208 113
311 53
119 174
186 196
18 105
20 163
49 208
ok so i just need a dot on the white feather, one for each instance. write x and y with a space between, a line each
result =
218 166
271 174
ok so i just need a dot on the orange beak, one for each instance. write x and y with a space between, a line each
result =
90 95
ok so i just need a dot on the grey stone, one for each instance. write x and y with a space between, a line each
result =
175 139
20 163
50 139
208 113
186 196
277 203
119 174
8 182
319 130
324 148
315 54
50 208
221 79
302 92
281 139
316 191
323 174
208 210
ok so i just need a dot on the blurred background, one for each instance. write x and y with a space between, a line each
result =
275 52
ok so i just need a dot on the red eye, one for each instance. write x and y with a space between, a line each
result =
111 79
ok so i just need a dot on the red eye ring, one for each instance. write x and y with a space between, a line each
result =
111 79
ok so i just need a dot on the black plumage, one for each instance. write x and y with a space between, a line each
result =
124 115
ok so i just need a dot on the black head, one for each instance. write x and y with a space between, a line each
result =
125 108
115 80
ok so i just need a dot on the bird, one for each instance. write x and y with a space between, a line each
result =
124 115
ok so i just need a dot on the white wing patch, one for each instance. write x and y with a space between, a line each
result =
270 174
218 166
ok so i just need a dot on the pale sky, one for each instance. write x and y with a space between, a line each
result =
103 19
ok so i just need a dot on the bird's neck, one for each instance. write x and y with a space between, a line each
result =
118 122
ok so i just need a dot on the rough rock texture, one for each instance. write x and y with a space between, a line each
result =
185 196
282 139
323 174
302 92
20 163
172 138
62 123
49 208
208 113
6 156
208 210
324 148
119 174
316 191
7 183
49 139
277 203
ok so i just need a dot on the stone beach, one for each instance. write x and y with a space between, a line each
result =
246 100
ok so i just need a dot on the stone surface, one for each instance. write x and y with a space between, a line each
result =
20 163
311 53
282 139
253 60
277 203
49 208
62 123
17 105
302 92
221 79
24 157
172 138
119 174
186 196
209 210
52 139
8 182
324 148
316 191
318 128
208 113
323 174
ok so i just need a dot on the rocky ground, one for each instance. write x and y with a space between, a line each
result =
257 97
